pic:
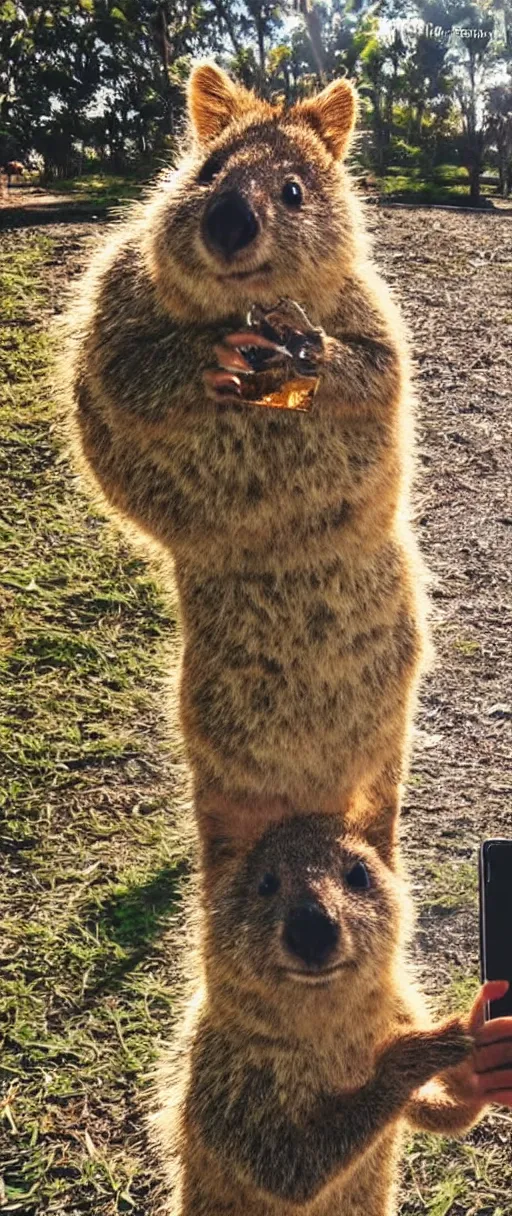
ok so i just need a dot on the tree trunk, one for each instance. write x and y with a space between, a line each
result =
261 46
474 184
502 178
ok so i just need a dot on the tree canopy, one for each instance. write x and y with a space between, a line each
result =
104 78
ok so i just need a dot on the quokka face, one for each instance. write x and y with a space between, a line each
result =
259 207
308 905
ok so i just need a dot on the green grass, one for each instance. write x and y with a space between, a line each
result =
449 185
466 646
471 1177
449 887
92 869
101 189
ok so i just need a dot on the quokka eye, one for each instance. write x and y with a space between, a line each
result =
292 195
269 885
358 877
211 167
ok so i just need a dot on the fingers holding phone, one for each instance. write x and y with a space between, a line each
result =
487 1076
491 1015
491 1077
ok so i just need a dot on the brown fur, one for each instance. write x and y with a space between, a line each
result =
295 563
289 1089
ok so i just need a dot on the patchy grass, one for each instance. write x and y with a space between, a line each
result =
471 1177
449 887
449 185
460 992
102 190
92 870
466 646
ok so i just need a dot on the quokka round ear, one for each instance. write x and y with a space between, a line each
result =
214 101
379 828
230 827
332 115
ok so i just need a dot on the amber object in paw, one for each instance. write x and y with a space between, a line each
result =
285 378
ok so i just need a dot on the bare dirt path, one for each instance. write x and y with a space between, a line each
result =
453 275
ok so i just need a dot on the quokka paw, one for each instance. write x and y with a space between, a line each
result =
239 356
287 325
418 1057
280 342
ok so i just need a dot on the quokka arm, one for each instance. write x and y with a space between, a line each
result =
442 1107
243 1118
132 359
363 351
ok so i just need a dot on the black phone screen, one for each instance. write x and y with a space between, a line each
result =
496 919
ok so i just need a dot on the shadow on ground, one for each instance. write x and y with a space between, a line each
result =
67 213
132 921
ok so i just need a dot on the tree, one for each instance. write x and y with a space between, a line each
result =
107 76
499 132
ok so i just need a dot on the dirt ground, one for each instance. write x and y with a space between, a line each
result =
452 273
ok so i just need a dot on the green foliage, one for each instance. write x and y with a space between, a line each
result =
92 75
404 153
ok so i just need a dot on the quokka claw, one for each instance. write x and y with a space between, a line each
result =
222 386
280 340
291 330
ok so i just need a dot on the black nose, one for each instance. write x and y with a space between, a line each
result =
230 223
310 933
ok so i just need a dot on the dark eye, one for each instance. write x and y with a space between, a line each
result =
292 194
211 167
358 877
269 885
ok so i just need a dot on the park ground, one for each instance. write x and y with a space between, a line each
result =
93 873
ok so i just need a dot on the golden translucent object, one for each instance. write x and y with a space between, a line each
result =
294 395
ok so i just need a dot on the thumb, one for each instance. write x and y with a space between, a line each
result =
493 990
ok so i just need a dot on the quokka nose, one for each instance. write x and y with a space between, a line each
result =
230 223
310 933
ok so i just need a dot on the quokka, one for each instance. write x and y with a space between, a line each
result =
307 1048
295 561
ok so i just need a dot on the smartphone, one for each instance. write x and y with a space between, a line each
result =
495 874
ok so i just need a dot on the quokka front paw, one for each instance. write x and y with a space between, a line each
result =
287 325
418 1057
240 356
279 344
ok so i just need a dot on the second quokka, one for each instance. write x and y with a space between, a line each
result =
295 563
306 1046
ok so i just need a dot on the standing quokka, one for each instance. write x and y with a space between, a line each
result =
295 563
305 1048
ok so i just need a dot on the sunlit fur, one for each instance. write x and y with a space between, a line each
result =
256 158
297 573
282 1092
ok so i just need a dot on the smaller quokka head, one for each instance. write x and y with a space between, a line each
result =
261 209
309 904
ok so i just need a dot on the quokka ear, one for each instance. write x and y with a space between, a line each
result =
230 828
378 826
217 833
214 101
332 114
381 833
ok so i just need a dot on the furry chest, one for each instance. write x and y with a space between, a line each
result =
248 477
